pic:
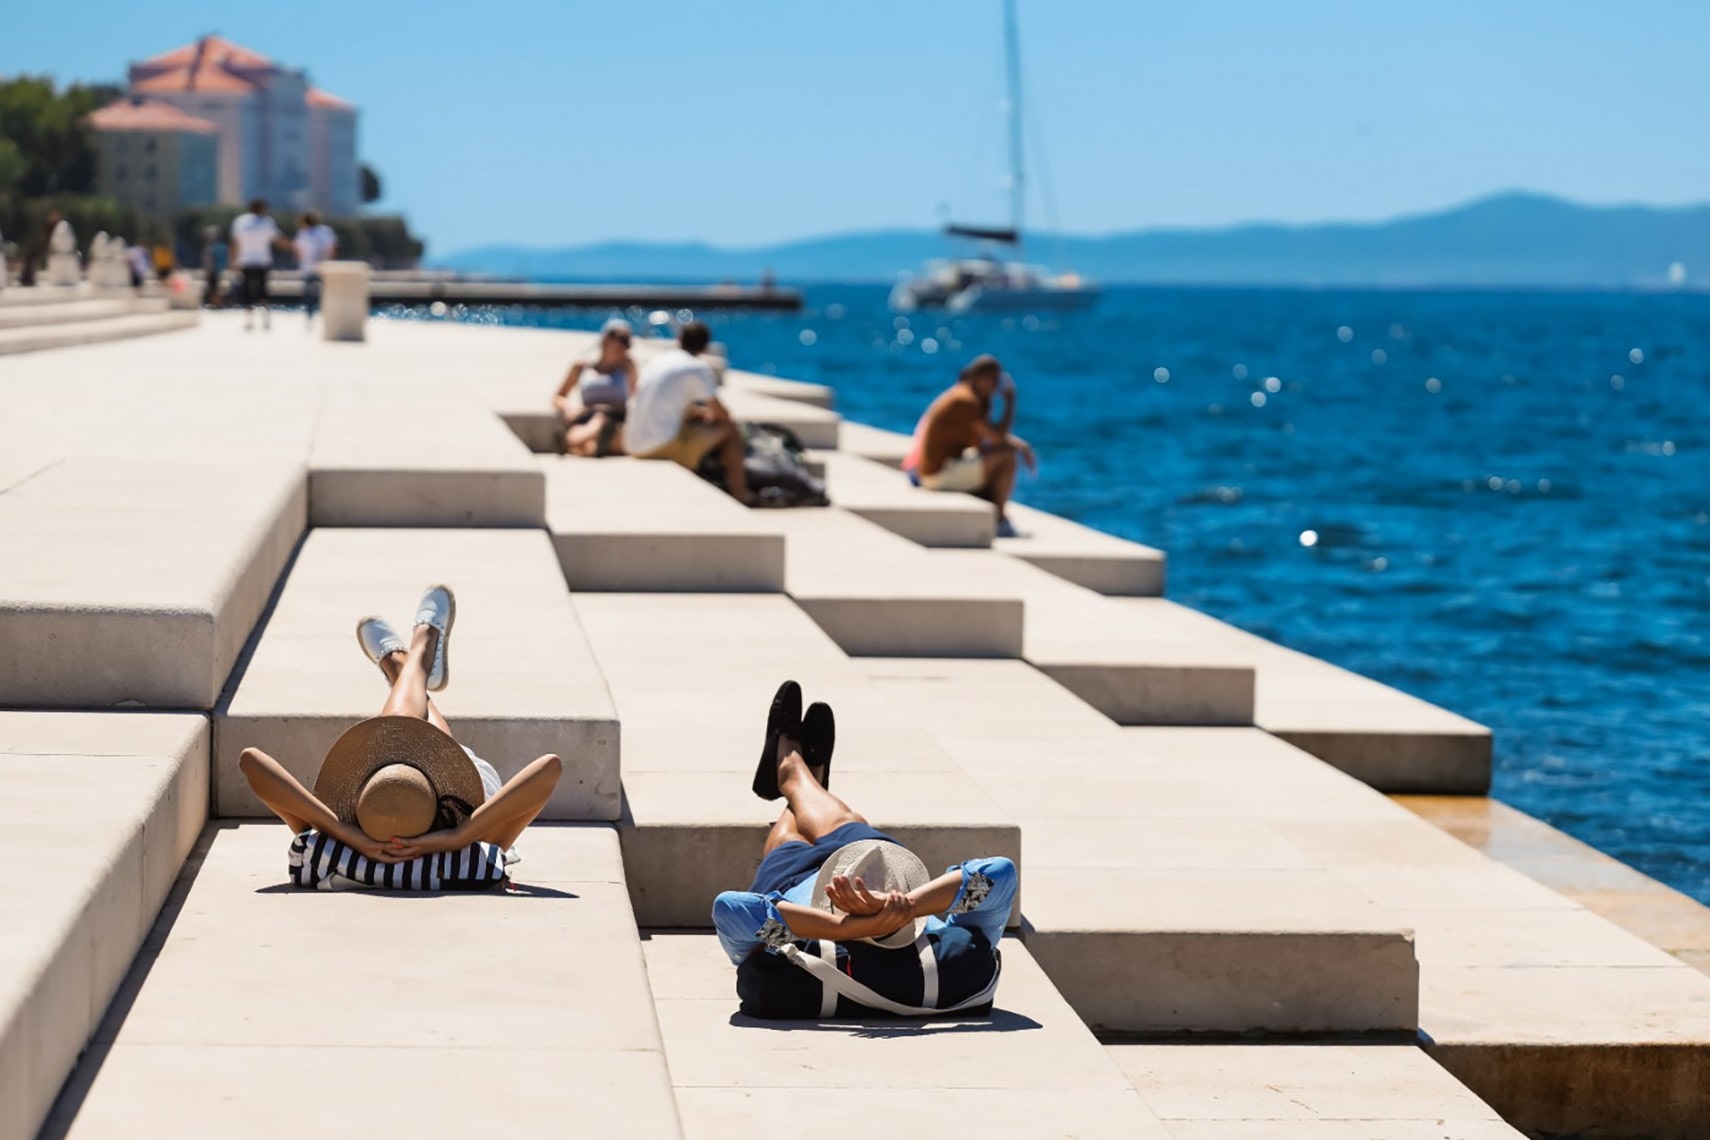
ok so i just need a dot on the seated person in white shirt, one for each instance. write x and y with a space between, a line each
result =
674 413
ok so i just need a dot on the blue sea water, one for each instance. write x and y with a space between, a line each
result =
1499 502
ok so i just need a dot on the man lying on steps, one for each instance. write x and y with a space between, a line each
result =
398 803
842 920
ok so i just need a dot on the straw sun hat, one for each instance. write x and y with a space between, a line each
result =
387 774
882 866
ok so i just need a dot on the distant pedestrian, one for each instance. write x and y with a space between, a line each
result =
216 256
254 237
959 447
138 259
315 242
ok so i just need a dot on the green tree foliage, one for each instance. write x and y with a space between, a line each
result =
370 180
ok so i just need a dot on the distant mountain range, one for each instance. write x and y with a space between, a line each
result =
1513 239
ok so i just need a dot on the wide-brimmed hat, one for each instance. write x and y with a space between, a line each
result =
389 775
882 866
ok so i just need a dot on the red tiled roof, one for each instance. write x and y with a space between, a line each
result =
209 64
319 98
209 48
149 115
183 79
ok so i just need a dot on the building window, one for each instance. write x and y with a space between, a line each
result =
148 175
121 144
150 146
148 201
119 172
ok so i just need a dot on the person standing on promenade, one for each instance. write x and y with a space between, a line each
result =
216 255
842 920
593 399
315 242
398 802
958 447
674 413
254 237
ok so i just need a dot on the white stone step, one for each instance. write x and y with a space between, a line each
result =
640 525
1160 893
817 395
815 427
1086 557
1306 1092
102 810
420 460
68 312
269 1011
523 679
133 582
884 496
692 676
1395 742
1029 1070
886 448
878 594
1134 670
31 338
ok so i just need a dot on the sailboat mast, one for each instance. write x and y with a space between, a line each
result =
1012 59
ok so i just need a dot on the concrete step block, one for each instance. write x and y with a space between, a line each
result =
32 338
523 679
136 582
639 525
815 427
505 994
1312 1092
1030 1069
816 395
420 460
886 448
1134 671
877 594
1395 742
105 807
694 724
63 312
885 496
1101 562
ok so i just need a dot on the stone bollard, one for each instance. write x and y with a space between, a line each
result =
344 300
62 266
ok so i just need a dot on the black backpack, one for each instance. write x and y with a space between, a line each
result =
776 465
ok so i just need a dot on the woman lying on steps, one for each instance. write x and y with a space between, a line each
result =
844 921
398 802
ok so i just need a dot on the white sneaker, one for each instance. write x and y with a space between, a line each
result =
378 638
438 609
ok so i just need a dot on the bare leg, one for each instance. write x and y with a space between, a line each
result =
501 819
815 811
283 795
731 453
409 696
999 466
784 831
584 439
393 665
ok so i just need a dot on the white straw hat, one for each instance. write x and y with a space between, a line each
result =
882 866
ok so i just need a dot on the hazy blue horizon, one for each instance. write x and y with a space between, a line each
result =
552 124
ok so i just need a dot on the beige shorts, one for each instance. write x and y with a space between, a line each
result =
966 472
694 440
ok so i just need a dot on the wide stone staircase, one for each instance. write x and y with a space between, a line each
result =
39 317
1226 929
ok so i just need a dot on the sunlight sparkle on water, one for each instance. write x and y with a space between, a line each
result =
1309 538
1161 375
808 337
1239 371
929 346
1433 385
1379 356
1344 334
1258 399
1636 355
1273 384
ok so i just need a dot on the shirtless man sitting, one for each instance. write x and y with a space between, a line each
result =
958 447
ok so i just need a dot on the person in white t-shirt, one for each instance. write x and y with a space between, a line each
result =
674 413
254 237
315 242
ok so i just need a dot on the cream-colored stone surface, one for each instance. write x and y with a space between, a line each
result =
103 809
1031 1069
815 427
636 524
1392 741
1084 556
1330 1090
1126 667
131 582
523 681
818 395
40 338
877 594
405 459
484 998
884 496
887 448
56 312
694 724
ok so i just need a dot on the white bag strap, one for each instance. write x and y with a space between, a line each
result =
835 982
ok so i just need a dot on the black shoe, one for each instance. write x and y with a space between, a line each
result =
784 719
819 737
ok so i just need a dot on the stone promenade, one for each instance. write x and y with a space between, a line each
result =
1227 927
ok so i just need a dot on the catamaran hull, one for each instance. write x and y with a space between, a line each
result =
980 299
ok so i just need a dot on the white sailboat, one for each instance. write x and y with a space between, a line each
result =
997 279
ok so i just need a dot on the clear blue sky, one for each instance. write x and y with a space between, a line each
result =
559 122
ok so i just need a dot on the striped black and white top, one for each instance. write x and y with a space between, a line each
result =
320 862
